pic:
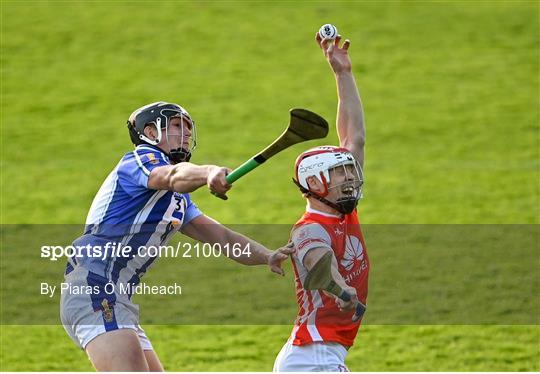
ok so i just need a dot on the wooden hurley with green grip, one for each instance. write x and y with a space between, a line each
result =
304 125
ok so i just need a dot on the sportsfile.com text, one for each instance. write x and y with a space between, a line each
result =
182 250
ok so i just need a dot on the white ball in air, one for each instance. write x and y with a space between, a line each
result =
328 31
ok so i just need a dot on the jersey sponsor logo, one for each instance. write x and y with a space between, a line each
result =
354 251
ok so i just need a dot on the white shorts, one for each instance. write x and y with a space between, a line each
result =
317 357
83 322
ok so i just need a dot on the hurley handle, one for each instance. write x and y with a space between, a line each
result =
360 308
242 170
239 172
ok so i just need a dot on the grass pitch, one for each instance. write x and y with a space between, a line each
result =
450 91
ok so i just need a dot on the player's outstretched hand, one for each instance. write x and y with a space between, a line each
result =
216 180
337 57
278 256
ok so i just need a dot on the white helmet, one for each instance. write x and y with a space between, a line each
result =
318 162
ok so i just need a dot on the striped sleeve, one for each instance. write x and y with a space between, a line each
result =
136 166
309 236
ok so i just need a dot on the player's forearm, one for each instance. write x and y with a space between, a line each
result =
208 230
187 177
314 255
336 275
350 116
253 253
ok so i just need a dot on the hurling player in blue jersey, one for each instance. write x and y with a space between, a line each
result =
143 202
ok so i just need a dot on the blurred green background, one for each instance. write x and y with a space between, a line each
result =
450 92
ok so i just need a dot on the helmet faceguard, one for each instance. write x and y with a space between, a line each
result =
159 115
187 142
348 191
338 172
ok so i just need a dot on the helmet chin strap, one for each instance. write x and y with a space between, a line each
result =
179 155
345 206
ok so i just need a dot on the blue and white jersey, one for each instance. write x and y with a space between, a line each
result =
125 212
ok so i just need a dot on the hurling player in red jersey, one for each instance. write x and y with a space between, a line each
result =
331 179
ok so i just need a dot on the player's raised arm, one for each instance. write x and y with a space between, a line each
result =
350 114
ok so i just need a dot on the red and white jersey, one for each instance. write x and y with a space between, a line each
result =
319 318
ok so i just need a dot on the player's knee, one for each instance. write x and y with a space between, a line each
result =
117 350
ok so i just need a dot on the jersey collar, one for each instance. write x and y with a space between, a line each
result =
311 210
154 148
